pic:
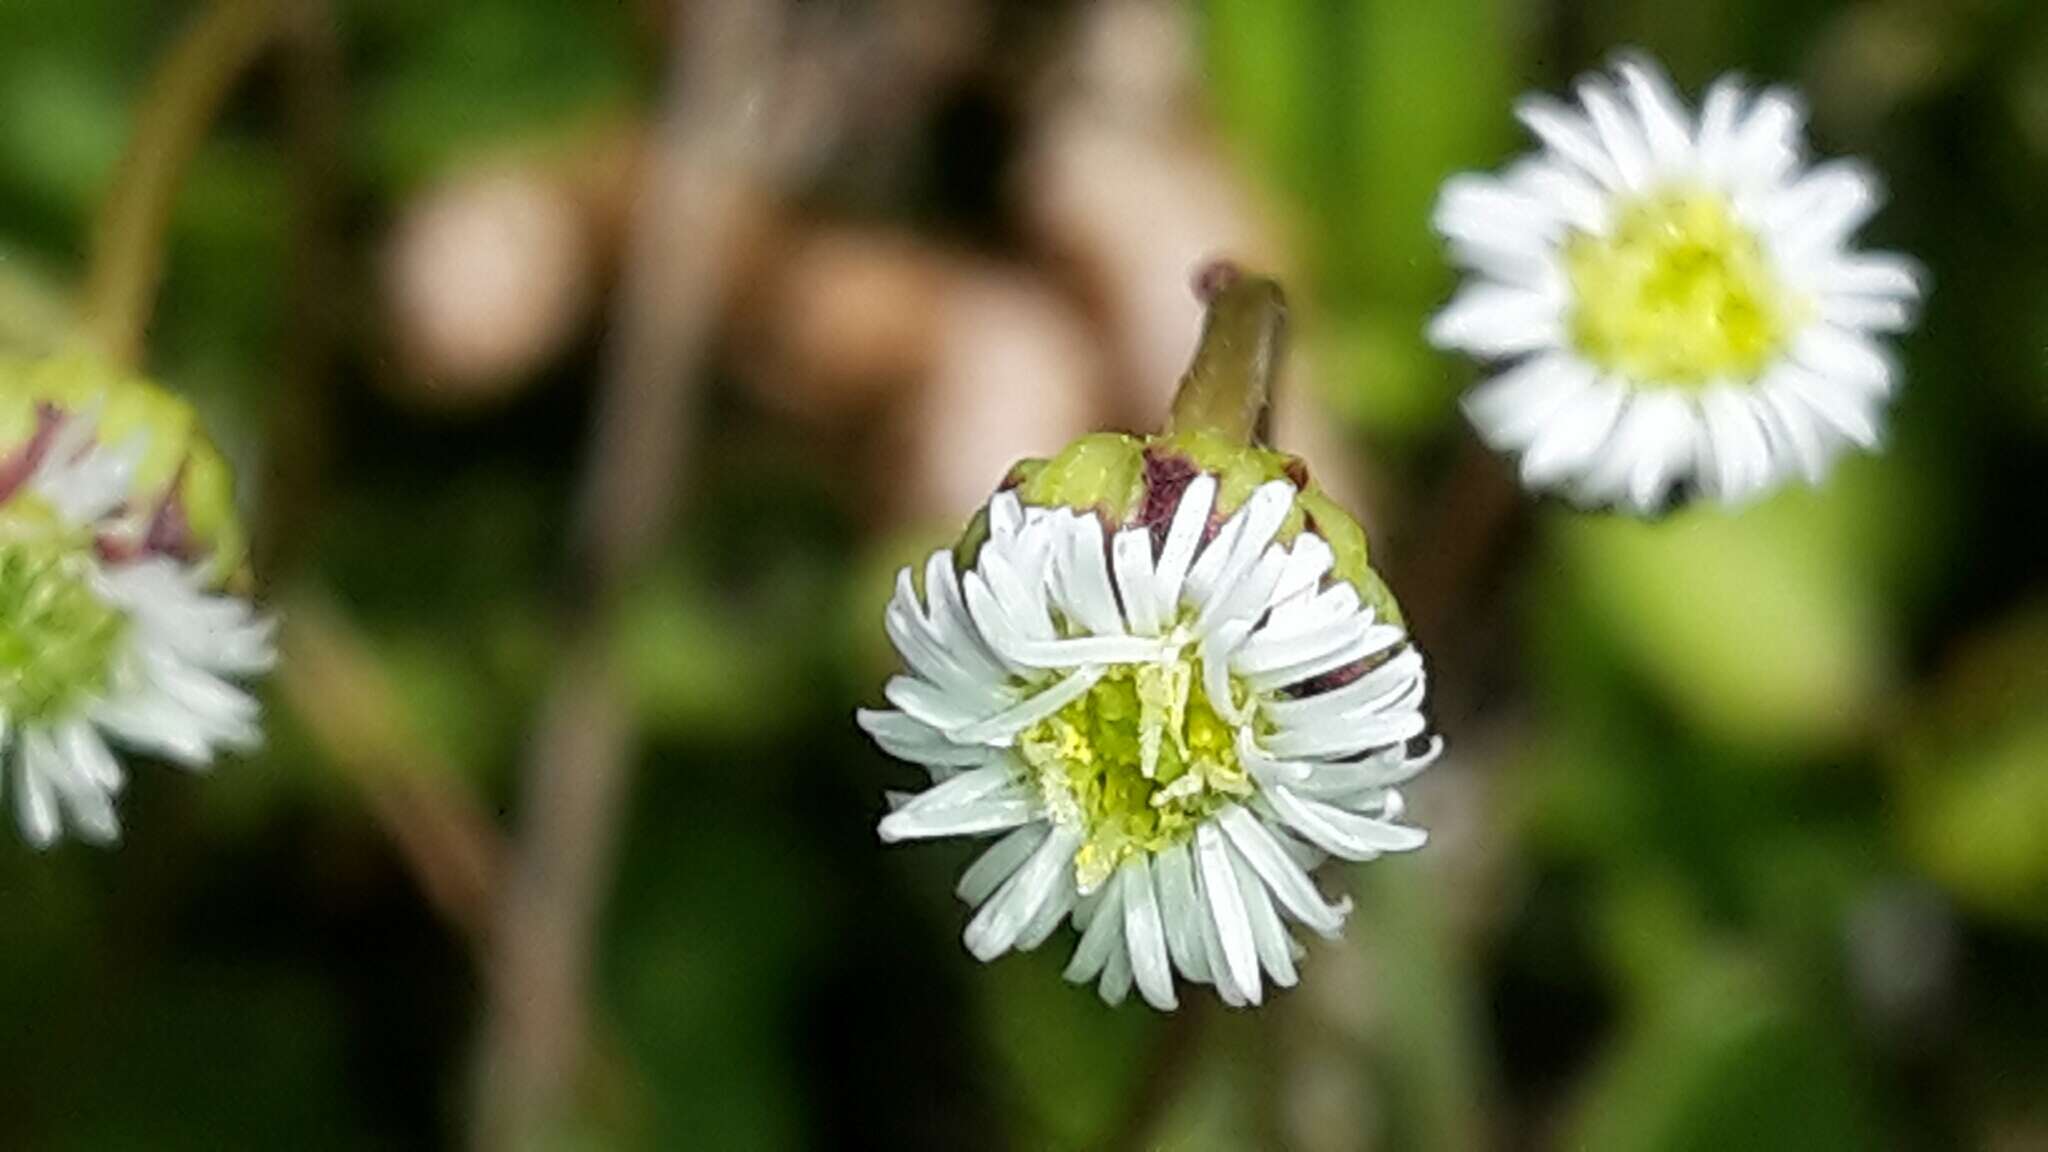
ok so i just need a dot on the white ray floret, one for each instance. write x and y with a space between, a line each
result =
1674 298
1165 736
93 654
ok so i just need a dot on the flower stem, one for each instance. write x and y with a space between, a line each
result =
1229 386
180 103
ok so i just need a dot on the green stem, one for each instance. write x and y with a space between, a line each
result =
182 99
1244 341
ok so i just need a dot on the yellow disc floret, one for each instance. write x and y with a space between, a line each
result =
1678 292
1137 764
57 636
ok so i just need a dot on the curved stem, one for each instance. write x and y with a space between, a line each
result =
179 105
705 167
1229 386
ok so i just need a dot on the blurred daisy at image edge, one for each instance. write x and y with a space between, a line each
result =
105 641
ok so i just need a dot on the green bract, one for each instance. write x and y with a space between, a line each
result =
57 636
1114 475
180 469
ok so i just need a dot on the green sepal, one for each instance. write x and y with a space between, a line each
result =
1104 473
179 461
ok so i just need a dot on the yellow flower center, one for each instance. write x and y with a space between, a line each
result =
1678 292
1137 764
57 636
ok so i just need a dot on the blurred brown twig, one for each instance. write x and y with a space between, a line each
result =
338 690
702 169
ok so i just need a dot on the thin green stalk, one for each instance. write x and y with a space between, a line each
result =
1229 386
179 105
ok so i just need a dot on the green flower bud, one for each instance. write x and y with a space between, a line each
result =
181 495
1155 663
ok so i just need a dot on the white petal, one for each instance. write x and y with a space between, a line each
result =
1362 733
1882 274
996 865
1764 145
1619 135
1116 978
1867 314
1571 438
1102 937
1718 116
1567 134
1146 935
1050 915
1369 693
1510 409
1794 422
1134 578
1660 112
1190 521
1489 319
1737 451
1004 726
999 922
982 800
1342 833
931 705
1082 568
1844 357
1289 883
1581 204
1180 911
1310 560
1261 517
1843 409
908 738
1227 914
35 800
1824 207
1269 936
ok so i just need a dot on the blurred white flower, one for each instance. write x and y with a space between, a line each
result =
1170 724
1678 296
139 653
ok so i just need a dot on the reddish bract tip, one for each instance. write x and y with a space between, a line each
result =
1214 277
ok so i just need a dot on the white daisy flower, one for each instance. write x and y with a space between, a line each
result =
1168 725
141 654
1677 294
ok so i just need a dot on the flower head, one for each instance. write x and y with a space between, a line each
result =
1677 296
105 639
1164 676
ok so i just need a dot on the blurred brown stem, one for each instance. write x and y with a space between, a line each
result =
1174 1054
296 427
1467 519
351 708
702 169
182 98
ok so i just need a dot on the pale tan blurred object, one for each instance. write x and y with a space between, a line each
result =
1871 58
1013 374
842 319
1327 1104
1121 182
1124 184
487 278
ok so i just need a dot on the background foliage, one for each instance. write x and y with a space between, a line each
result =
1744 838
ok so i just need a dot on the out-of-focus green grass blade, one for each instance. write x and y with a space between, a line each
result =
1430 1060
